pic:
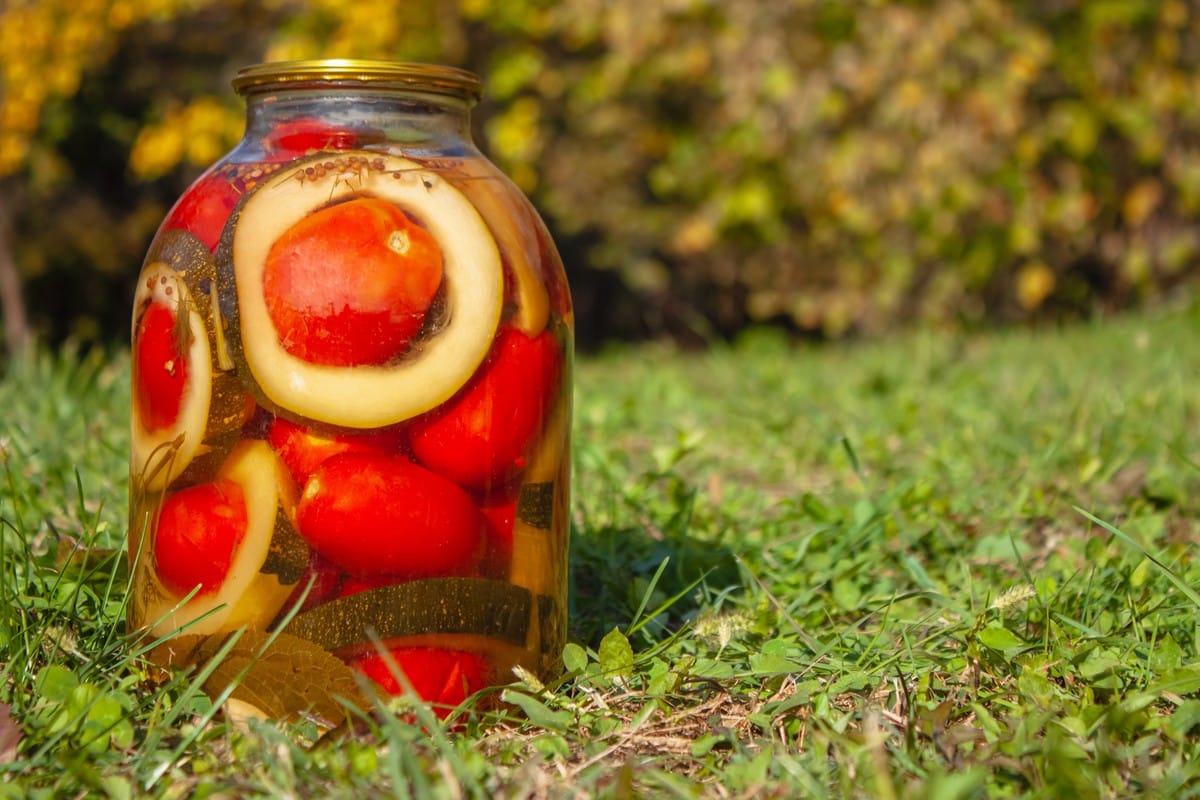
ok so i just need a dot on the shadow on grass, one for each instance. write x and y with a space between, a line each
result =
613 568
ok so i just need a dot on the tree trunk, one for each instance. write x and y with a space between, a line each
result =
17 335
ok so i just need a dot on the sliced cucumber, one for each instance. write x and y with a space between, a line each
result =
179 276
362 396
247 596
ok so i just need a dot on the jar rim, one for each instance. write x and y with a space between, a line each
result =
360 73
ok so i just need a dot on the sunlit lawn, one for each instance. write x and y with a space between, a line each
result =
942 565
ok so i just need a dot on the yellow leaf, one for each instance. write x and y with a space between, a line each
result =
157 150
695 234
1035 282
290 677
1141 201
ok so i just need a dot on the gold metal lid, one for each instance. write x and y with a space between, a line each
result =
358 73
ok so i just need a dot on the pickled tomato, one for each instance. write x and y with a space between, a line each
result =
198 534
478 438
440 676
351 283
372 514
161 369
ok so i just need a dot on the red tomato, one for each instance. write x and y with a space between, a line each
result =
442 677
303 449
160 368
478 438
205 206
199 530
306 134
350 284
383 515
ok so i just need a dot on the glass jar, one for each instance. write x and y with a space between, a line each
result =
351 395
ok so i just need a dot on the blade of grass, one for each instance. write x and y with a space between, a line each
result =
1178 582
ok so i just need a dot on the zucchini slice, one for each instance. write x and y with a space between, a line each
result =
185 404
362 396
248 595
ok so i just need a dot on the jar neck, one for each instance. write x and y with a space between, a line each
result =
414 121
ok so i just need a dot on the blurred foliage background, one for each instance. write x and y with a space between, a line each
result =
836 168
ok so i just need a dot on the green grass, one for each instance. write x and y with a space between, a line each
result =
938 566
